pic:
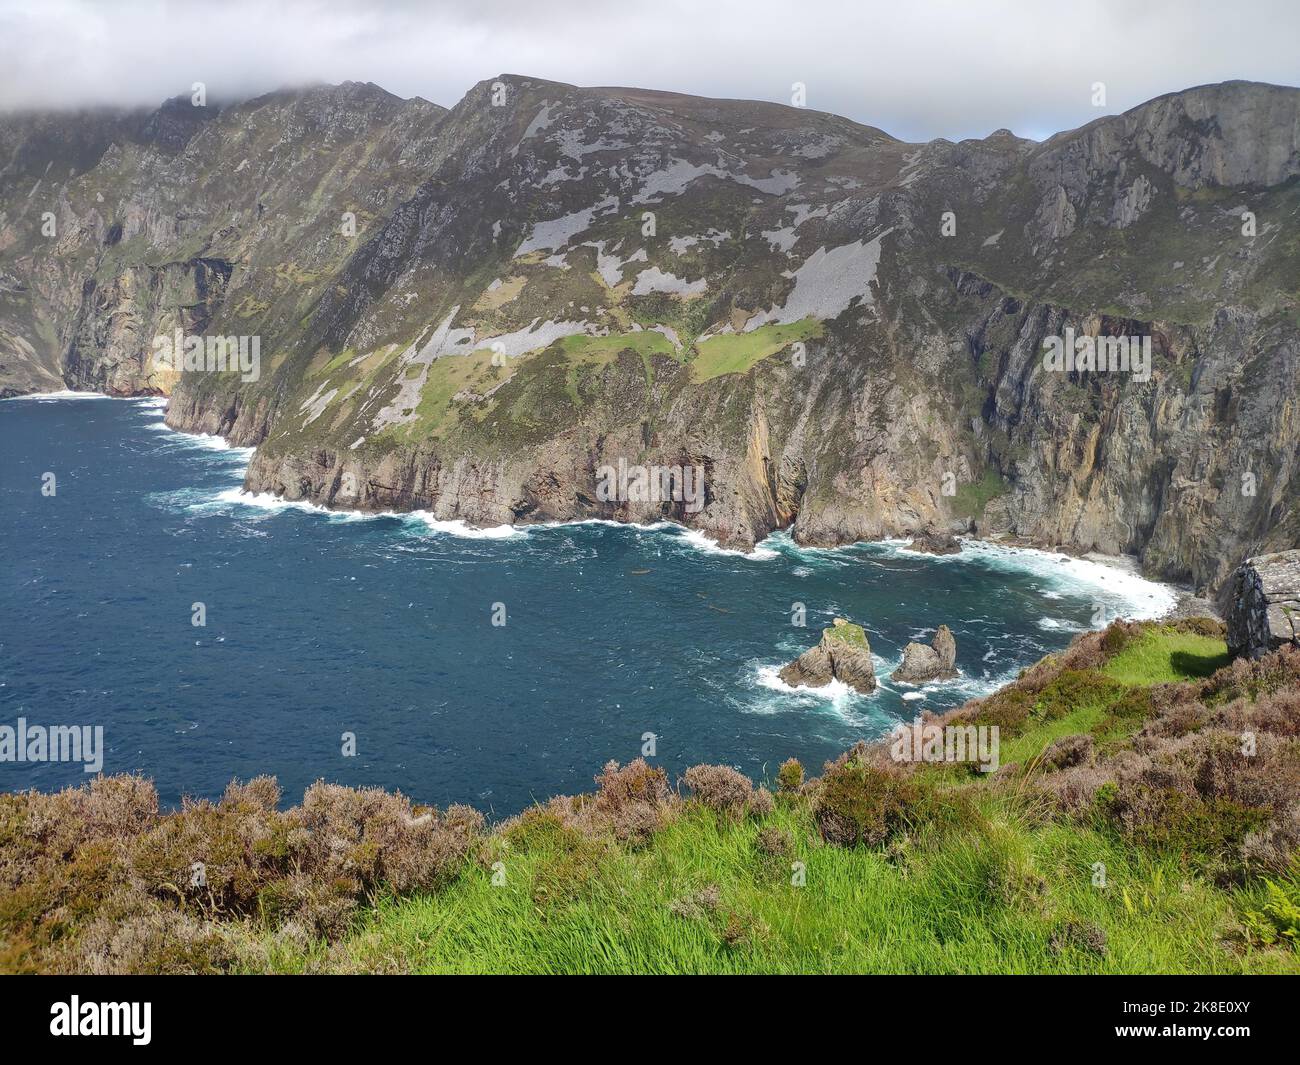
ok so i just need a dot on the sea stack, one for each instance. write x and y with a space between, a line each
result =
926 662
843 654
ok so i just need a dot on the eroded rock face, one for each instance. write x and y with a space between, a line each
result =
843 654
1262 604
923 663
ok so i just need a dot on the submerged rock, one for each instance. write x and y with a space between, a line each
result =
843 654
926 662
933 542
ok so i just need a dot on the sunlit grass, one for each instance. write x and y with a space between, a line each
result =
737 352
1163 656
995 899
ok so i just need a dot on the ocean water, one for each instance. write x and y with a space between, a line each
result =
323 624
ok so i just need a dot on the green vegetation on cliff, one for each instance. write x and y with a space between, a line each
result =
730 353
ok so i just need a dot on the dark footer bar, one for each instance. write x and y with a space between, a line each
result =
144 1014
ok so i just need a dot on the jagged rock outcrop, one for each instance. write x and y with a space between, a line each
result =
926 662
933 542
477 311
844 654
1262 604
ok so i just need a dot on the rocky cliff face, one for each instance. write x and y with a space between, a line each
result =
1262 604
483 312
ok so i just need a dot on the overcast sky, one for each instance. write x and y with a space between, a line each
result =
916 68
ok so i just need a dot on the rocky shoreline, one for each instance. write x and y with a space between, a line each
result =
242 428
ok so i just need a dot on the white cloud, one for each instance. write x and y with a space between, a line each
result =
951 68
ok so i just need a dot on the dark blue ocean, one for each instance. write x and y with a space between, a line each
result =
319 625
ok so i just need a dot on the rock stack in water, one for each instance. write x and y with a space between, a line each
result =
843 654
926 662
935 542
1262 604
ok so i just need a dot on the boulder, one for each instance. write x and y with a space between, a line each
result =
843 654
1262 604
926 662
933 542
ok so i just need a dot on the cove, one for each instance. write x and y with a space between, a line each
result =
320 624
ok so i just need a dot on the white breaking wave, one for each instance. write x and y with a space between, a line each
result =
469 532
1110 581
458 527
264 501
270 502
709 546
65 394
1060 625
836 696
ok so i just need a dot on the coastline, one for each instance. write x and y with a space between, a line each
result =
1182 601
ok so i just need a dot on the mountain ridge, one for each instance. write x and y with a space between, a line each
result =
796 324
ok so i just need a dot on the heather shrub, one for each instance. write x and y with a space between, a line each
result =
1136 703
1277 713
159 941
1211 628
1268 779
1066 752
1272 849
697 905
720 788
1007 710
1117 636
631 803
1078 935
775 841
1074 790
1087 651
1180 719
1248 679
373 841
1166 818
789 777
636 782
214 856
728 792
864 801
96 879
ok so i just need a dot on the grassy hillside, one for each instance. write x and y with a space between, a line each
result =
1125 831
